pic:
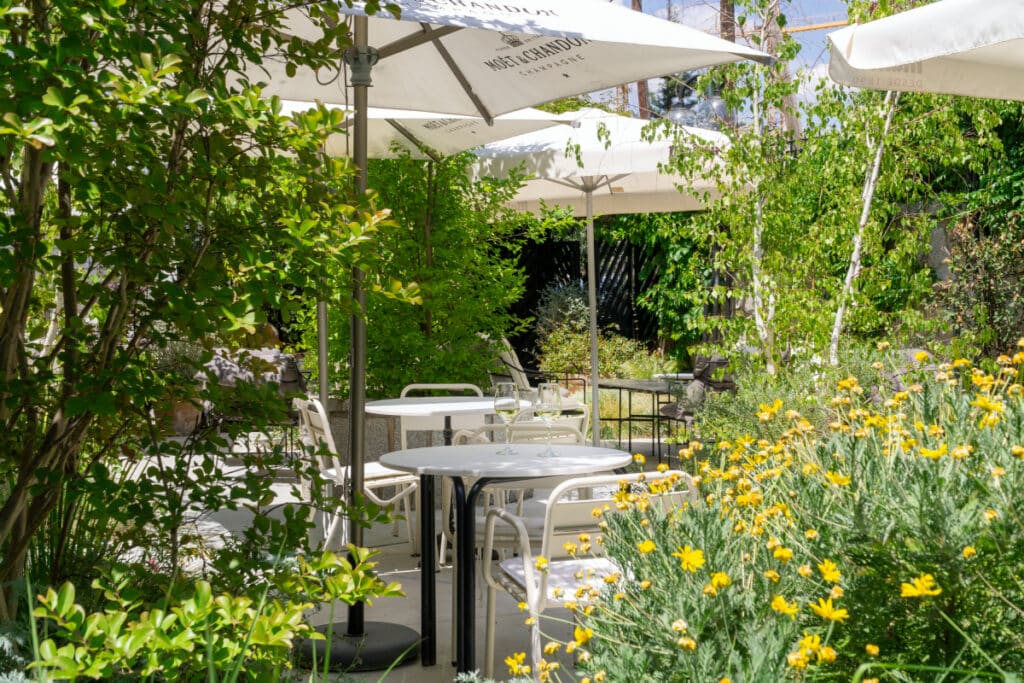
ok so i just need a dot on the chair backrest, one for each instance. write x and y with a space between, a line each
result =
436 423
315 430
510 360
520 432
453 388
571 505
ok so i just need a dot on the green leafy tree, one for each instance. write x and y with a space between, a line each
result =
147 194
458 243
825 233
982 298
676 296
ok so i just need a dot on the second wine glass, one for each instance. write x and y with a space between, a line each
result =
506 405
549 406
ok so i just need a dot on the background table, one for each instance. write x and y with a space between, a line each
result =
662 390
488 463
435 406
432 406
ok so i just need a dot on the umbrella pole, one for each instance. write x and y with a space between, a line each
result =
321 350
595 407
357 367
365 646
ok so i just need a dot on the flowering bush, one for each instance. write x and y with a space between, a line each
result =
885 546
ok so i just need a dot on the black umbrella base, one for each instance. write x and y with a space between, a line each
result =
381 646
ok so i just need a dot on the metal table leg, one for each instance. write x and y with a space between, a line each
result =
428 587
465 547
428 583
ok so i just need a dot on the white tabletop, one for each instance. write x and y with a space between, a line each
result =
428 406
489 460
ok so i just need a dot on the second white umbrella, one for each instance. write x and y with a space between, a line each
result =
429 135
602 164
958 47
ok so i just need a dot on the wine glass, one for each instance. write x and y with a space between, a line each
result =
506 405
549 406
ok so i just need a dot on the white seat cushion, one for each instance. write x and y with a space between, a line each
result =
374 473
374 470
562 575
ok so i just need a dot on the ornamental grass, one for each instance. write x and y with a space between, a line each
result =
885 546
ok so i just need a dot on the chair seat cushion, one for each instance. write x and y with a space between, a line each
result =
562 576
375 475
374 470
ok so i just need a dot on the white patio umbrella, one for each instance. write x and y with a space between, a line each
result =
489 58
428 135
617 171
485 59
958 47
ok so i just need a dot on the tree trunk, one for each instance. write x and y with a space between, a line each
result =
763 298
428 249
764 311
642 94
867 195
727 20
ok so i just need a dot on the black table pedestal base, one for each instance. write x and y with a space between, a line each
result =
381 645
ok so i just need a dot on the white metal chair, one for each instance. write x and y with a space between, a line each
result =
377 479
434 424
528 432
569 513
520 376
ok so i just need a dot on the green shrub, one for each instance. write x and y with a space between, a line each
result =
195 634
567 350
561 306
798 384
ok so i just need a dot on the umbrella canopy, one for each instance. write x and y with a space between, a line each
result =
489 58
429 135
958 47
626 171
601 164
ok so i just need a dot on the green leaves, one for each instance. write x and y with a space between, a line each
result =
148 195
198 630
441 272
37 132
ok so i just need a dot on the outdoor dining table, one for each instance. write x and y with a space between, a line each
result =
487 463
435 406
432 406
660 389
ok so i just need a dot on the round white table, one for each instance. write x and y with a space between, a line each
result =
488 463
436 406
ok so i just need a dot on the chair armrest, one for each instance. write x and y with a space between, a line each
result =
522 538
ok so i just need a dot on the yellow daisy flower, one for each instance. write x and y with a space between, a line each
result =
690 559
825 610
921 586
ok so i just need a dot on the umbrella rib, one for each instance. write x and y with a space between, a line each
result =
428 34
420 145
567 183
485 114
590 183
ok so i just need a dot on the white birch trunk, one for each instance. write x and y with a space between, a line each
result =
763 313
870 180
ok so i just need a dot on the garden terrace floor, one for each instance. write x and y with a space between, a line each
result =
397 564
